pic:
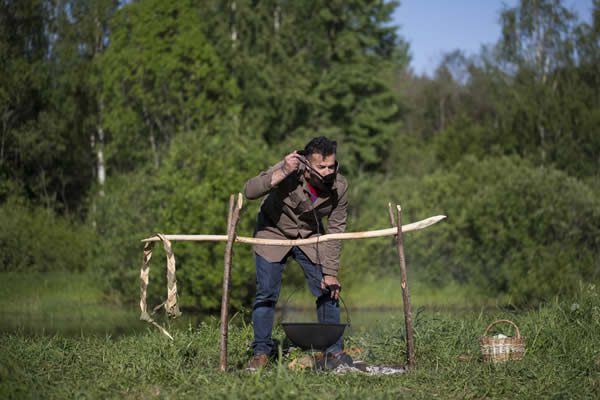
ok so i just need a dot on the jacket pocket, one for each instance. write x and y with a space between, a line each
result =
293 200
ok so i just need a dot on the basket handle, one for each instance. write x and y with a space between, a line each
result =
506 321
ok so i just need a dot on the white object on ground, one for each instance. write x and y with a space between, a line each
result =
370 370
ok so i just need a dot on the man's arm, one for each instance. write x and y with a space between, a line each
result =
336 223
262 184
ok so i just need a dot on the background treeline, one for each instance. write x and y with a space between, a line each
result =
121 119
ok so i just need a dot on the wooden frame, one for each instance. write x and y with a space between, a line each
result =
231 238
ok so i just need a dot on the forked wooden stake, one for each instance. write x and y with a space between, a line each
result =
232 220
410 349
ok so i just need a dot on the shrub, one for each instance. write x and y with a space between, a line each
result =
35 239
512 228
531 232
189 194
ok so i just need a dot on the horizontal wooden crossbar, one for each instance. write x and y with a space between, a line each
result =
298 242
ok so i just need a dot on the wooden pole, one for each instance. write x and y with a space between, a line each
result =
232 220
299 242
410 348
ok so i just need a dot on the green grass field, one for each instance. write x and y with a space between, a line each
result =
562 359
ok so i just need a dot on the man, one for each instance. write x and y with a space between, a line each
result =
300 190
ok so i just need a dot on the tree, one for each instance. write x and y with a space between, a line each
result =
159 76
46 99
189 193
23 47
312 68
548 98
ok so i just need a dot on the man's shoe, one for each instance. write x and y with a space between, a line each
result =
332 361
258 361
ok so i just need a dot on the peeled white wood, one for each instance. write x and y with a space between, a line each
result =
298 242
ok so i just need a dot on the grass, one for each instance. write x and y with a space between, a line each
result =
562 360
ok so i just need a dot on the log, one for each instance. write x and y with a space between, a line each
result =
232 220
410 347
316 239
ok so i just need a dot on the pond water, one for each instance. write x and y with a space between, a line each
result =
74 305
117 321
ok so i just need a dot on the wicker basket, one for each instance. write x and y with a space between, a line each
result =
496 349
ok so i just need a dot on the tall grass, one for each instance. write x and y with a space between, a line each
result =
562 361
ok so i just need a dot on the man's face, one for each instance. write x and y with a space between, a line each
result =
323 165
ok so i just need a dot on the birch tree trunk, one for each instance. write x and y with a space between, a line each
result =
233 25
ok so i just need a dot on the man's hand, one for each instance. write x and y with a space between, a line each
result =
333 284
291 163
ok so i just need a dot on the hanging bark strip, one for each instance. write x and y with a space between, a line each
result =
410 348
232 220
170 304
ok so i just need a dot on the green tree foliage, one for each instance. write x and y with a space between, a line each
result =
311 68
36 239
45 99
193 195
23 49
159 76
195 97
188 194
512 228
535 94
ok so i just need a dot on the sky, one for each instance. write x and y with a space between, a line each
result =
434 27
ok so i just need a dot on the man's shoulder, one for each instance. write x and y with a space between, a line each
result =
341 183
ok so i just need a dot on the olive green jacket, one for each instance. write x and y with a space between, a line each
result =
288 213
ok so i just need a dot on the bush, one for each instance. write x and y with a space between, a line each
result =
531 232
512 228
189 194
123 217
35 239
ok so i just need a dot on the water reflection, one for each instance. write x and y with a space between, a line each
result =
113 322
360 320
116 321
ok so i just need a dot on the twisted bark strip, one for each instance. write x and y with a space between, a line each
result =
144 277
170 304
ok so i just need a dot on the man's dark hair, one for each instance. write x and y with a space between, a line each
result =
321 145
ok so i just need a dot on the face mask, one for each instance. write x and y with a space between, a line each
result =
321 182
324 182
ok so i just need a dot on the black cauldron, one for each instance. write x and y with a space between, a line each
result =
316 335
313 335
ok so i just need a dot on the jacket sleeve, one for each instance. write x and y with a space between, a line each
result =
336 223
260 185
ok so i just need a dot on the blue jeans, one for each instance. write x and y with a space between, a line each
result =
268 286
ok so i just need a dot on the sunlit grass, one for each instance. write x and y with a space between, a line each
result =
562 361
